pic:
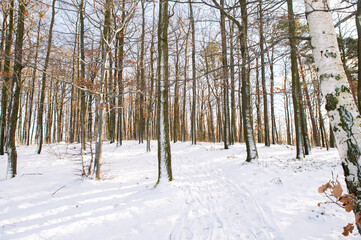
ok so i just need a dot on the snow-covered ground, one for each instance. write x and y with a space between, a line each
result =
214 195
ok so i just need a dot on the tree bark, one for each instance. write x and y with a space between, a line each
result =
4 90
358 26
164 153
43 82
194 78
263 74
295 79
342 110
16 88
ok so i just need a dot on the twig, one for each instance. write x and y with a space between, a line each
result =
57 191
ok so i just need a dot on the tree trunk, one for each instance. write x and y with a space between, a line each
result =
305 90
100 99
194 78
142 78
233 126
4 90
295 86
16 87
258 103
263 74
246 89
82 79
43 82
226 120
343 114
164 153
358 26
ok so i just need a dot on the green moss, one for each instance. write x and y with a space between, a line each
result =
331 102
338 91
338 77
345 89
333 54
335 129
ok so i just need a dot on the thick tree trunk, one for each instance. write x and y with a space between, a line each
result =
343 114
164 153
100 98
4 90
16 87
295 86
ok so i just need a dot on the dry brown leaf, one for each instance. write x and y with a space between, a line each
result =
358 219
347 201
348 229
319 204
337 190
349 207
323 188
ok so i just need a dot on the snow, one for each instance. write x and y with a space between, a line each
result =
214 195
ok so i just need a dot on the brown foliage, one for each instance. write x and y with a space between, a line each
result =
348 229
347 201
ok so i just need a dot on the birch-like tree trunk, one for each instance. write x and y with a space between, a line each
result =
342 111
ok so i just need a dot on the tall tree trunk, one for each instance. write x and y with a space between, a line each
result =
308 102
16 87
287 113
263 74
82 79
4 90
100 98
142 78
32 90
252 153
176 93
295 86
233 126
164 153
342 110
184 129
258 103
226 120
273 117
194 78
358 26
151 90
43 82
120 59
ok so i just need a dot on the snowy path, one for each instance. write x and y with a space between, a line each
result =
214 195
217 207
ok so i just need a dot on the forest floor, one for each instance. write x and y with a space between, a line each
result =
215 195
